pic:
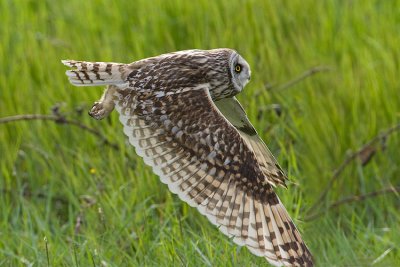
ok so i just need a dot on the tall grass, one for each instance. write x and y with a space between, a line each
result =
97 206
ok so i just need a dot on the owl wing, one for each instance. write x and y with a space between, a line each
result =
235 114
204 159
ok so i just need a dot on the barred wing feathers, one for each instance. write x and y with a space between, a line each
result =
95 73
206 161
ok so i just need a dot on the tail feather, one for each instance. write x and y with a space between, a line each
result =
94 73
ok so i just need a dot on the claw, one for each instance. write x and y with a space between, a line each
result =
98 111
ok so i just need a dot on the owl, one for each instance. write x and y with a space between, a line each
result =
180 113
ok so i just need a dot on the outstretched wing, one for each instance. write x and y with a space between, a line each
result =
207 162
235 114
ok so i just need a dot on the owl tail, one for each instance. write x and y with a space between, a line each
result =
94 73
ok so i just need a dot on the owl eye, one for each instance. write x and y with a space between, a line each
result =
238 68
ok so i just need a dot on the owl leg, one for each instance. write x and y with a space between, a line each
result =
105 105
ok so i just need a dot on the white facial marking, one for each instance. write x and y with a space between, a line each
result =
240 71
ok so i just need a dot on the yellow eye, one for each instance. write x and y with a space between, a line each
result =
238 68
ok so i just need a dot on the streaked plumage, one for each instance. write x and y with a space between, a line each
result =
180 114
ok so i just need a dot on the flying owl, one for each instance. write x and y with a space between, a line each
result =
180 113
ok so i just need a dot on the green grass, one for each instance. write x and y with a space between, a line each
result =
128 217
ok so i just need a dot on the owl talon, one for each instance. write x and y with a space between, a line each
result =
98 111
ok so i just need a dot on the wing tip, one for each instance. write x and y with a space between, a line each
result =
68 62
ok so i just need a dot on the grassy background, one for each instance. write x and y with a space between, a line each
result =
91 205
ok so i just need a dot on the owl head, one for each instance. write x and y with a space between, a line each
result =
228 72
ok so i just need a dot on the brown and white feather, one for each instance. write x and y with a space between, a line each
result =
188 143
175 109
